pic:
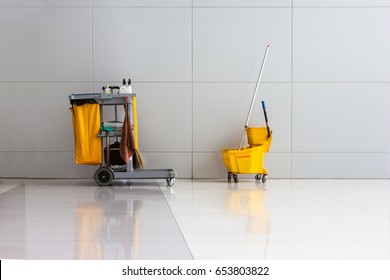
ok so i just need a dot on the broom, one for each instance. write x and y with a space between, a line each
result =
128 147
138 162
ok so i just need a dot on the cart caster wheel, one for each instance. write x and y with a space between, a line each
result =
170 182
258 177
264 178
104 176
229 177
235 178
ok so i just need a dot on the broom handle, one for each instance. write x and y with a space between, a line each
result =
254 96
135 122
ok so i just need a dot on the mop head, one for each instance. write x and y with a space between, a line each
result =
138 161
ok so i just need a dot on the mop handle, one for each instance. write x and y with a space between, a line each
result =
266 118
254 96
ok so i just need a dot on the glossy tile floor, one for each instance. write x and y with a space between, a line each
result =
197 219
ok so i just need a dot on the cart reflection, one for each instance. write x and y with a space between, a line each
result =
108 227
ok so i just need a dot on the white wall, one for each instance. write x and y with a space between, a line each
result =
194 65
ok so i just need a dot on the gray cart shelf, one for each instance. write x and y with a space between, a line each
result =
104 176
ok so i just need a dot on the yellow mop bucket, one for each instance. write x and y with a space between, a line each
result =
249 160
244 161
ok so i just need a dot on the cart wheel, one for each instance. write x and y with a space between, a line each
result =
264 178
235 178
170 182
229 177
258 177
104 176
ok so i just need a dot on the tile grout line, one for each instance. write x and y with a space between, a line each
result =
292 88
92 54
174 217
192 88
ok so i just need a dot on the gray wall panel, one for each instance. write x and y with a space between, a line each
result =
229 44
341 118
150 44
341 45
45 44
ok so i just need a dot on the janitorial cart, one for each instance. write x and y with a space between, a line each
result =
249 159
93 136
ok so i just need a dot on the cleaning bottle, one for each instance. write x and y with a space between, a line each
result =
126 88
107 89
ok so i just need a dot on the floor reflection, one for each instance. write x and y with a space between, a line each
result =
66 221
113 216
249 203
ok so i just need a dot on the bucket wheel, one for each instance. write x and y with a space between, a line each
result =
104 176
234 176
261 177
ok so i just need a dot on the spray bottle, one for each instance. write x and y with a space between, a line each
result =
107 89
126 88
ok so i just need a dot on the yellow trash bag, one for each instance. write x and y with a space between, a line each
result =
86 125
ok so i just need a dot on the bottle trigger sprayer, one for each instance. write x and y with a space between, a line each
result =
107 89
126 88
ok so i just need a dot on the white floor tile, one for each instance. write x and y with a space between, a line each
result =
196 219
